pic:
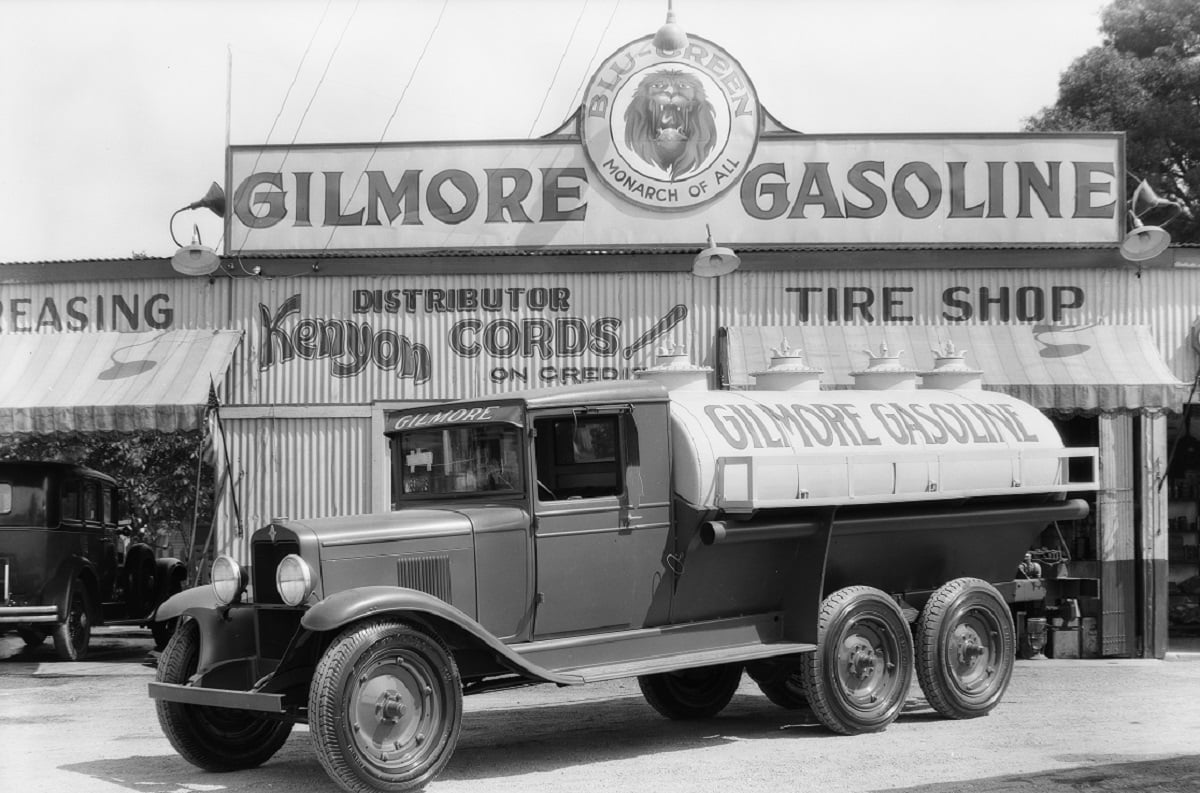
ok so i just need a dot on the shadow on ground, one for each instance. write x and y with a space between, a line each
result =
502 742
1093 773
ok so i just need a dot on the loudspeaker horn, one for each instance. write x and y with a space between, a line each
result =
214 199
714 260
1151 210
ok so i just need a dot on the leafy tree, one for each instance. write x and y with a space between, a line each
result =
156 470
1143 80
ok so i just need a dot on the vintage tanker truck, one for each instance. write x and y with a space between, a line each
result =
829 543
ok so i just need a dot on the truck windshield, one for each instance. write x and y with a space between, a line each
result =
454 461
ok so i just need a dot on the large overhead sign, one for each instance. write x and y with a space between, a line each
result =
663 145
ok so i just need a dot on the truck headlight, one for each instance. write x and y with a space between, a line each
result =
228 580
294 580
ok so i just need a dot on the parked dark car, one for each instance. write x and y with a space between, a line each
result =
68 561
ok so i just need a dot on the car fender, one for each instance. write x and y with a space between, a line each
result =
58 590
168 572
196 599
351 605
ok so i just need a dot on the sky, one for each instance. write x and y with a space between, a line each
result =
116 113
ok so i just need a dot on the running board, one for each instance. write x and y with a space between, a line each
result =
726 655
614 654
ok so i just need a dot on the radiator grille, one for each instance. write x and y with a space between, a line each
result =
429 573
266 557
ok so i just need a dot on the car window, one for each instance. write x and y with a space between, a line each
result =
91 502
6 500
106 505
579 457
70 500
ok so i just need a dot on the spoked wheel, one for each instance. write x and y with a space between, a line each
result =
966 646
215 739
692 693
385 707
858 678
71 636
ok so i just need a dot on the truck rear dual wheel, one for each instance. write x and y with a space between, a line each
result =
858 678
699 693
215 739
780 681
965 648
385 707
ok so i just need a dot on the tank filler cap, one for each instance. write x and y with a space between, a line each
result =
950 370
787 371
884 372
674 369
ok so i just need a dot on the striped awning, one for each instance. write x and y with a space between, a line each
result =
1068 368
102 382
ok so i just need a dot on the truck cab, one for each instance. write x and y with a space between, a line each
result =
831 545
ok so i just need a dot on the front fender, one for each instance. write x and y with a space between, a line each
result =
351 605
200 598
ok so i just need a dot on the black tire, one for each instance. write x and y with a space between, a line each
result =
215 739
385 707
31 636
162 631
699 693
858 678
781 681
71 636
966 648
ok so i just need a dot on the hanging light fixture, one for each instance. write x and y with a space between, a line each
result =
714 260
670 37
196 259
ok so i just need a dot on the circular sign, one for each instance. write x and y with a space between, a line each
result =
670 130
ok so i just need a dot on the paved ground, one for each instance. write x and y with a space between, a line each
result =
1094 725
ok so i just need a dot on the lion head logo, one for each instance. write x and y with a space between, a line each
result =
670 122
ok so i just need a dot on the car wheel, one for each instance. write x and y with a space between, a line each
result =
858 678
780 681
699 693
71 636
385 707
966 648
215 739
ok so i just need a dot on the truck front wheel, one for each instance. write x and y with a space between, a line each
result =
965 648
215 739
692 693
857 679
385 707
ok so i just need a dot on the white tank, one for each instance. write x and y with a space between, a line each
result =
747 450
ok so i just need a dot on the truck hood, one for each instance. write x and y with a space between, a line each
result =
406 524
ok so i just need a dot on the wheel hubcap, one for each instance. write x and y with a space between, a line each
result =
394 711
972 647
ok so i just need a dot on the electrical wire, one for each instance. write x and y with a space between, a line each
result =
287 95
395 109
558 68
591 61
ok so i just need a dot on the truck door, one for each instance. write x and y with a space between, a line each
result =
600 536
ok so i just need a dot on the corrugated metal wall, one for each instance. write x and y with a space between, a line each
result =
440 337
124 306
293 467
1166 300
